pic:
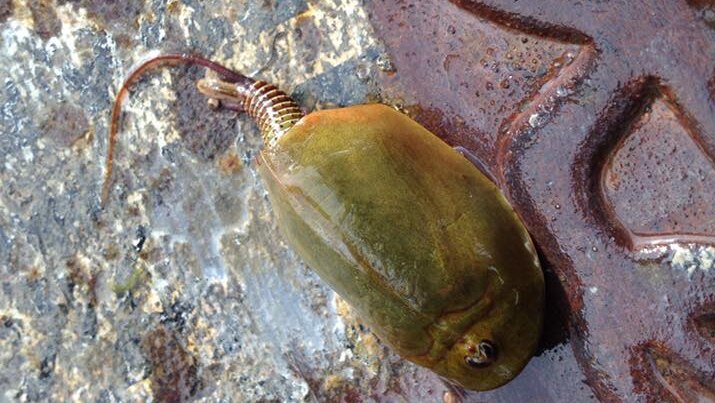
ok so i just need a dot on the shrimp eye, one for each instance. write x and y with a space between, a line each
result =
482 355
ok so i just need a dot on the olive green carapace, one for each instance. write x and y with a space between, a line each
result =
403 227
413 236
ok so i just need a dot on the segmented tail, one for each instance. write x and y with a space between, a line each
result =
273 111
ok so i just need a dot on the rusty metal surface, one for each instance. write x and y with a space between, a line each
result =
598 119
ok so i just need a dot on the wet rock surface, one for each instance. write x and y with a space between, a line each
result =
182 288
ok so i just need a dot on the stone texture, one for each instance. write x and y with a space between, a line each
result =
182 287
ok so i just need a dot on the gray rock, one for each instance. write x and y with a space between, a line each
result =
181 288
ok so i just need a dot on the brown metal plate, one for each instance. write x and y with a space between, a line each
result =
598 120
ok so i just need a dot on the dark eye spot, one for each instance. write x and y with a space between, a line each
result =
482 355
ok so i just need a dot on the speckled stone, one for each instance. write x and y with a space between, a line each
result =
182 287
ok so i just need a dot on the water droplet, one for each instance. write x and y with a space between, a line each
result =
536 120
385 64
362 71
